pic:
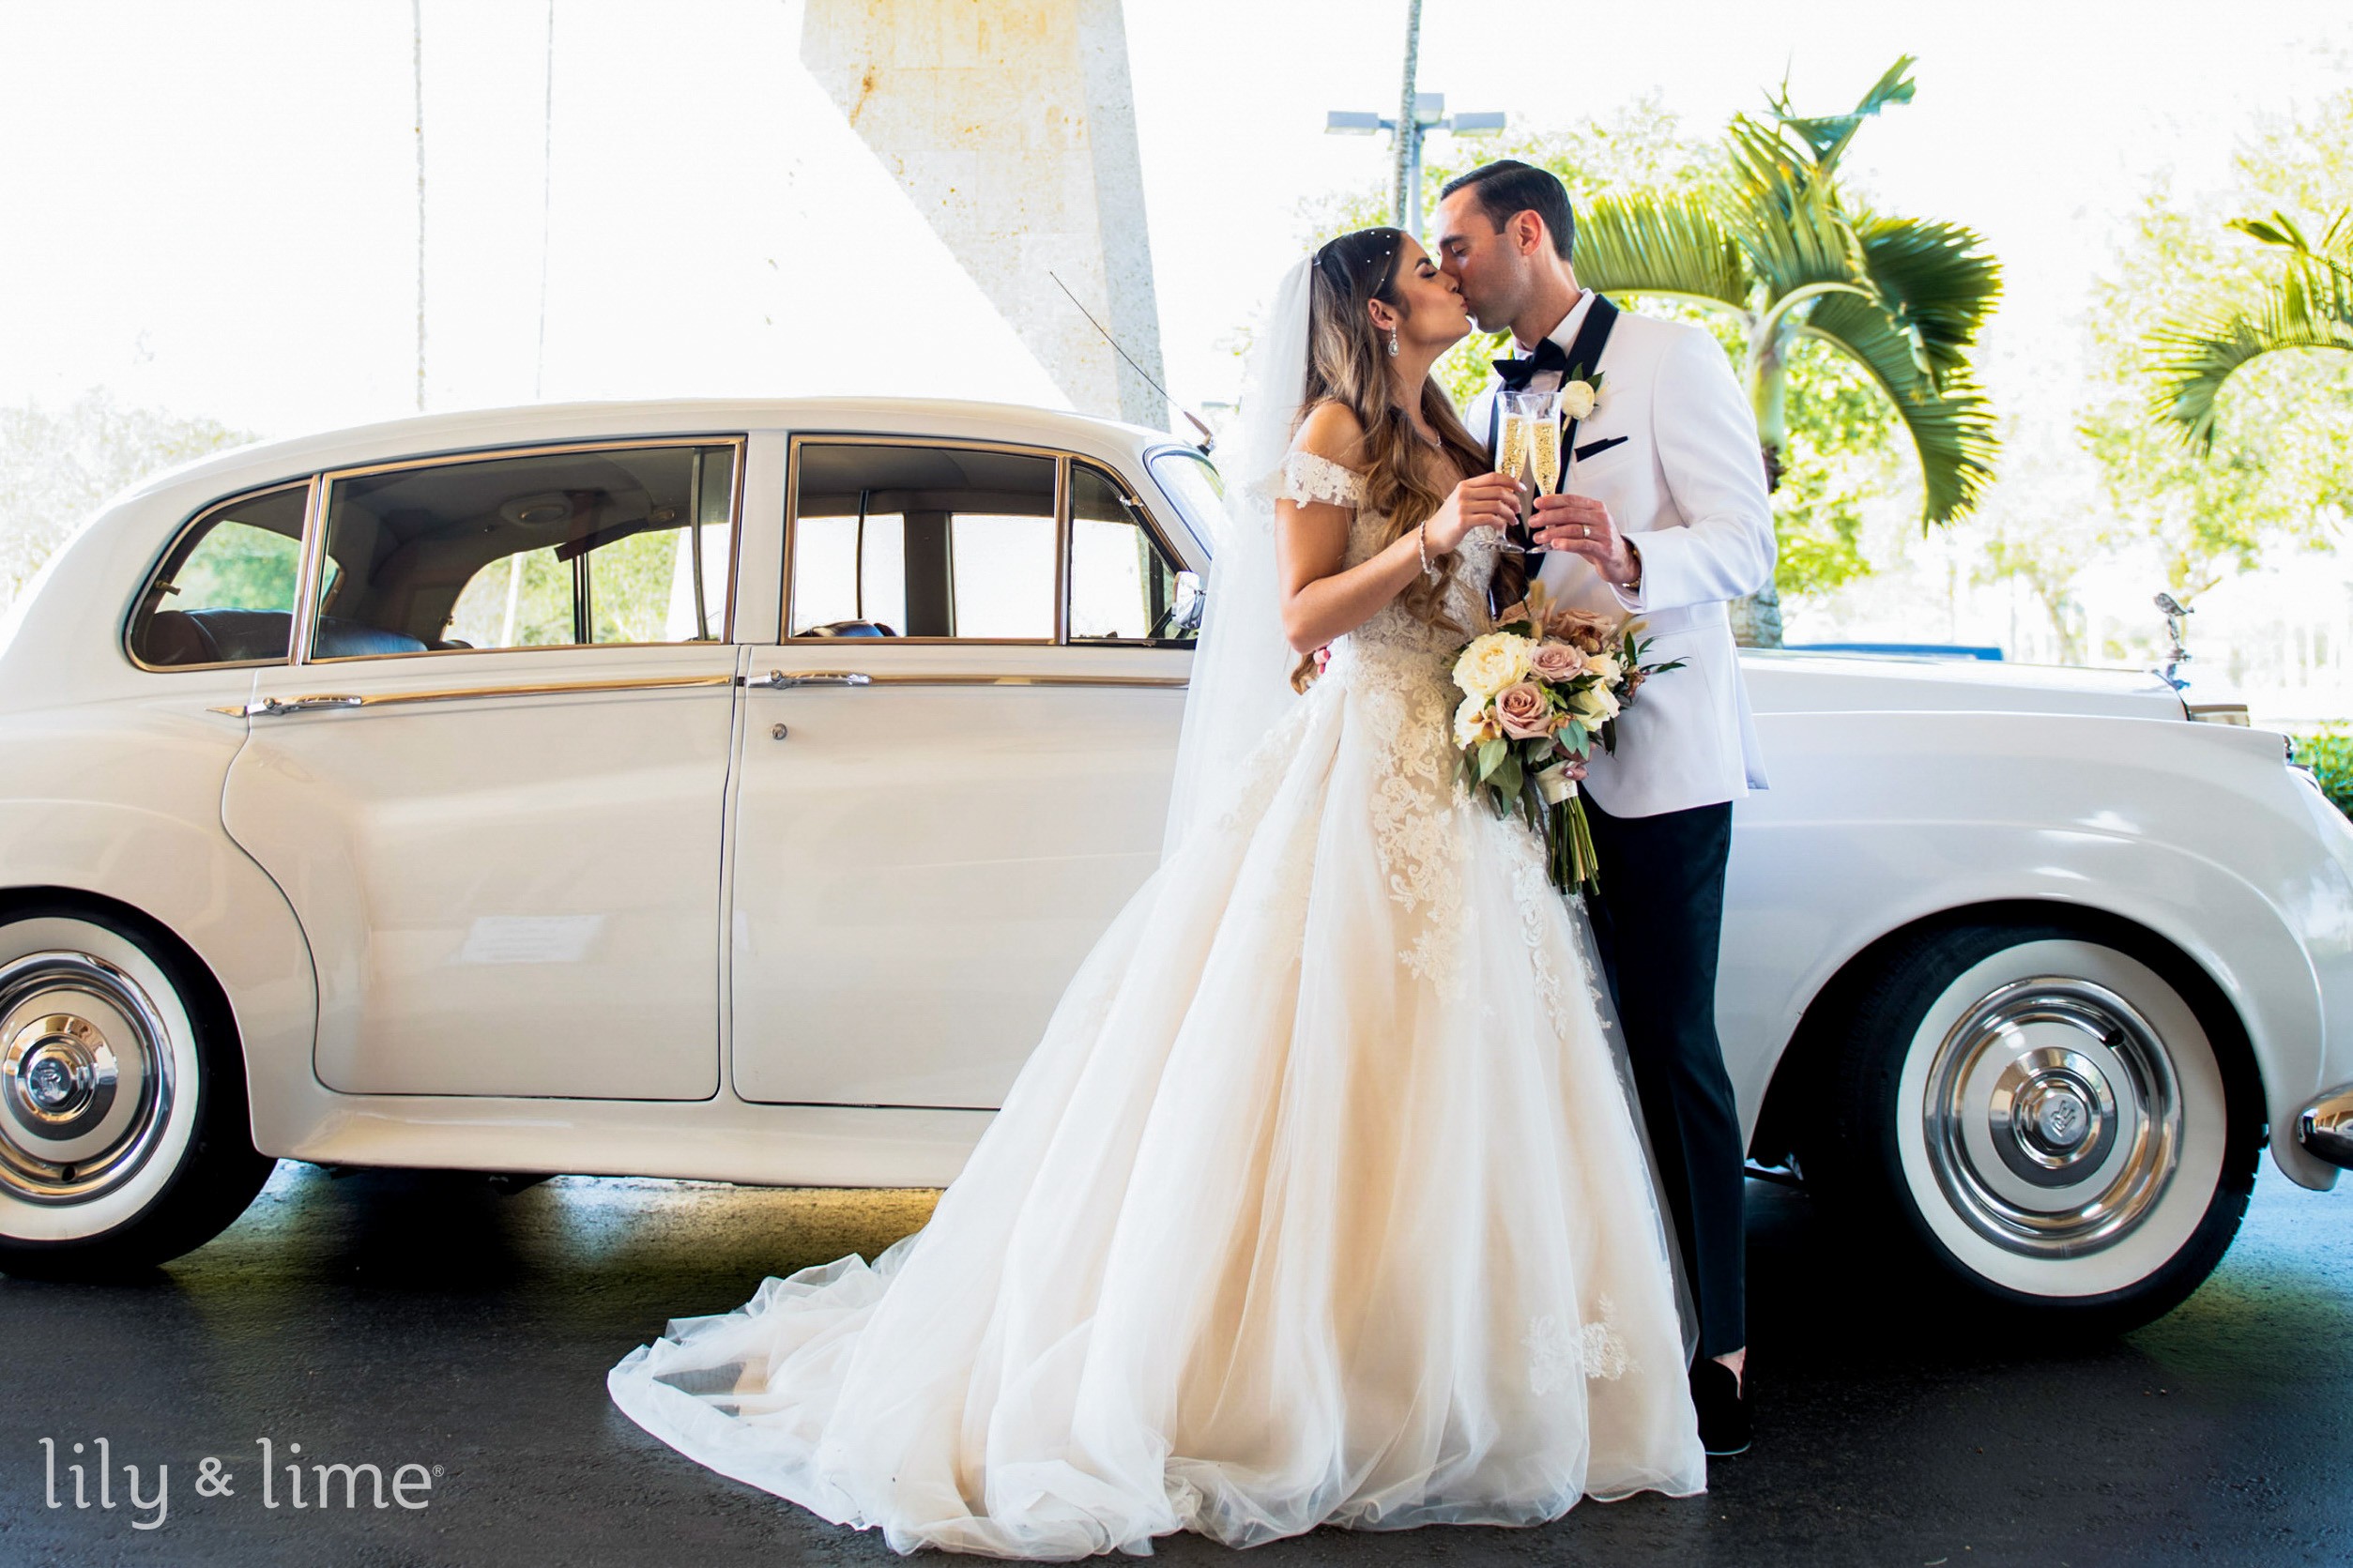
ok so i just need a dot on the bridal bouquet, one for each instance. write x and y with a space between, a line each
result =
1536 693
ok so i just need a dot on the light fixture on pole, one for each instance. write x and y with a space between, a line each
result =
1429 113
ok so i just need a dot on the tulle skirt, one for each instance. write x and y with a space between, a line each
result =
1320 1202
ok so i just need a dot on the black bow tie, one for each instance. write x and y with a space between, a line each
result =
1549 355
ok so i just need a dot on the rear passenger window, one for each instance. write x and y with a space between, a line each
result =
225 593
922 541
550 550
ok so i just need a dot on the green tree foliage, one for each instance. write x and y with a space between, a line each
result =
2279 471
2329 753
57 466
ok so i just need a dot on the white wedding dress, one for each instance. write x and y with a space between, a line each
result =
1320 1202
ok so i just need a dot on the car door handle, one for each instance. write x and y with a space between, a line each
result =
272 706
777 680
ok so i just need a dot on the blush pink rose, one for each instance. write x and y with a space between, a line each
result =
1523 712
1588 630
1557 662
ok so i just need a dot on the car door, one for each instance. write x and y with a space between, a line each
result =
954 770
492 783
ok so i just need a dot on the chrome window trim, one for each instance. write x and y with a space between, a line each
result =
1061 458
131 616
740 441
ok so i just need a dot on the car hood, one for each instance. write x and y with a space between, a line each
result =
1785 683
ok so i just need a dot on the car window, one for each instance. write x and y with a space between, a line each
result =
224 594
917 540
549 550
1198 491
1122 584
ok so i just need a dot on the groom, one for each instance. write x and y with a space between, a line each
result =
1669 521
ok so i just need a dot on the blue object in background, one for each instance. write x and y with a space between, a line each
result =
1930 651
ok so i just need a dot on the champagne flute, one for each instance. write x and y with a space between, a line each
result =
1543 413
1512 459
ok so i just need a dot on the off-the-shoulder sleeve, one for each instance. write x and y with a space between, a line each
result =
1307 476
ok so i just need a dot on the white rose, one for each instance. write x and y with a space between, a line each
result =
1606 666
1578 398
1491 662
1593 706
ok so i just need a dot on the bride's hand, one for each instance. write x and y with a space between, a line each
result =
1487 500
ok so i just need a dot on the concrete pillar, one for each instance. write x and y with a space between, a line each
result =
1011 126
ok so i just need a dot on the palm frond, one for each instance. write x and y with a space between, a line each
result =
1827 135
2309 306
2334 251
1785 219
1658 242
1939 284
1950 417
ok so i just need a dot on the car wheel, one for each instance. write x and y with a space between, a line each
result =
2039 1116
123 1135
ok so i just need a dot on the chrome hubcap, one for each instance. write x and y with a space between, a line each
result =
2053 1118
86 1077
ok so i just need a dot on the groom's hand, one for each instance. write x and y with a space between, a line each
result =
1582 526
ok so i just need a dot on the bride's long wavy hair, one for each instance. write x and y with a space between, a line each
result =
1347 363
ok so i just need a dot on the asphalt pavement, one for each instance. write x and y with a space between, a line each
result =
456 1337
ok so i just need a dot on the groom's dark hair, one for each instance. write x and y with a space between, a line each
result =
1508 188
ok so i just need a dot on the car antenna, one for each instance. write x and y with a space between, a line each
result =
1207 441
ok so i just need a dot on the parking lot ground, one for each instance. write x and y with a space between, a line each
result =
415 1319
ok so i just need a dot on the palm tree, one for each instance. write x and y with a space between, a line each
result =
1774 243
2308 304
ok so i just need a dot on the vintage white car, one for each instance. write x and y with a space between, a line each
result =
727 790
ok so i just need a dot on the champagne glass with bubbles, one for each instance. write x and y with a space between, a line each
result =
1513 444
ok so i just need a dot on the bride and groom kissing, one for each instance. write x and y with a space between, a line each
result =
1359 1178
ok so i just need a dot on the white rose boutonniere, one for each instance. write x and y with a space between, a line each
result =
1578 399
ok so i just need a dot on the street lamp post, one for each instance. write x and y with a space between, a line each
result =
1429 113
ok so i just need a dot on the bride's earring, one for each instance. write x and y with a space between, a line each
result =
1393 342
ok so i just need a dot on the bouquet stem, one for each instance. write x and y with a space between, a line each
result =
1574 865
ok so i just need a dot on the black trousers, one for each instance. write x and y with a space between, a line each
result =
1658 922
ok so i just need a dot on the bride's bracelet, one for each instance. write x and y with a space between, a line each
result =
1421 546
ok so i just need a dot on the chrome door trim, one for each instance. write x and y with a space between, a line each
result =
278 707
1170 681
776 680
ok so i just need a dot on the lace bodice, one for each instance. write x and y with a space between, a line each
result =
1307 476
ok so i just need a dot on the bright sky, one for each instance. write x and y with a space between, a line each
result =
211 206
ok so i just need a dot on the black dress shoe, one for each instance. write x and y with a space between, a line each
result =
1723 1401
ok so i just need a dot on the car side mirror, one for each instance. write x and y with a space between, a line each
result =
1190 602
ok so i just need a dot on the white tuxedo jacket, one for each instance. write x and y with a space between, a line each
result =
1683 479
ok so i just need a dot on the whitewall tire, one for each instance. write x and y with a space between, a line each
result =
123 1136
2048 1114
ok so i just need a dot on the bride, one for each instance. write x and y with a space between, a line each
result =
1321 1201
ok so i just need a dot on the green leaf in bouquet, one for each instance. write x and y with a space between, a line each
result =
1508 775
1575 738
1491 755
